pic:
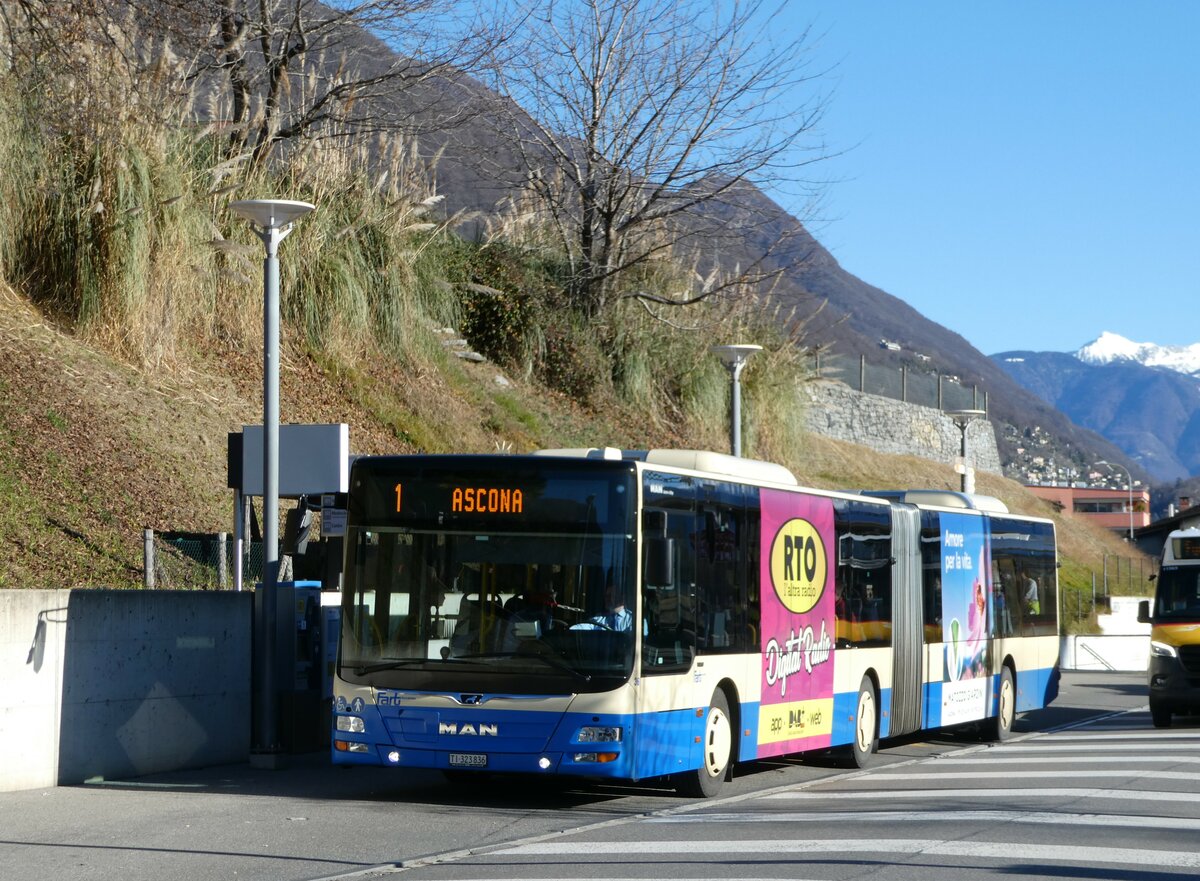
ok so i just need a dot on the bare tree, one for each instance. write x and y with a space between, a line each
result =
302 69
645 127
276 71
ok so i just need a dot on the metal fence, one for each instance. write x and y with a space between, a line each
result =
198 562
912 385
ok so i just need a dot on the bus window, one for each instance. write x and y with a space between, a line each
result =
863 585
1026 597
669 607
723 619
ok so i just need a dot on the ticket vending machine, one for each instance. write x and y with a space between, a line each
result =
300 665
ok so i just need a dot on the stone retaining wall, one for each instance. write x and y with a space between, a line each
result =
889 426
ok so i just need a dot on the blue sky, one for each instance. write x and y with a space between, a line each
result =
1023 173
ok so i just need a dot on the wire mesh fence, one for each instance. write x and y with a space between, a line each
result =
199 562
911 384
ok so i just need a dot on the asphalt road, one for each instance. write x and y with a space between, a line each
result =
309 820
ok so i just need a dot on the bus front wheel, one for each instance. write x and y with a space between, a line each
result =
706 781
866 725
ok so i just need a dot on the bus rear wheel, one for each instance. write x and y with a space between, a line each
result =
866 725
1006 706
706 781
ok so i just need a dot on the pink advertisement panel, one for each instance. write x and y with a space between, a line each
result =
799 557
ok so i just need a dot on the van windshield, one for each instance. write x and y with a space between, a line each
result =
1178 594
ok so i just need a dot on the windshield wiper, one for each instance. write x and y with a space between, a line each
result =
396 664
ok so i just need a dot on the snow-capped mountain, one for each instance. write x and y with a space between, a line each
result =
1111 347
1143 397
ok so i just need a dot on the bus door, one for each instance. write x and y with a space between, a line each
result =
908 641
669 686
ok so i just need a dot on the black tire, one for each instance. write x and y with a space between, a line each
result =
1000 728
866 725
1160 714
707 780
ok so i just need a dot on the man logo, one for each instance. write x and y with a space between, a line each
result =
798 565
481 730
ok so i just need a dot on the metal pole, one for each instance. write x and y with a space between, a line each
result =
148 558
734 358
1130 485
735 424
269 732
239 537
272 221
963 452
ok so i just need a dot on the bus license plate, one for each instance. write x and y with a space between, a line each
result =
468 760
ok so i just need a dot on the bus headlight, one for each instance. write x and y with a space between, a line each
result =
598 734
350 724
1162 650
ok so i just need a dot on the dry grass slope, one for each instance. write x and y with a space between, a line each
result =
93 451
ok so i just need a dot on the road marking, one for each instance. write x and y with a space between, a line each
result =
985 759
1159 748
896 794
1039 818
1150 735
1004 853
931 775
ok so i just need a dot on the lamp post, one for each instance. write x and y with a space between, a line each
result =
272 221
962 419
1128 486
734 358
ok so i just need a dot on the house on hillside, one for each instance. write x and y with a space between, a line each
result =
1123 511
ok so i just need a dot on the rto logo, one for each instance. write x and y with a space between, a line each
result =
798 565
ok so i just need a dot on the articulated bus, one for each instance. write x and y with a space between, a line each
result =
665 614
1174 674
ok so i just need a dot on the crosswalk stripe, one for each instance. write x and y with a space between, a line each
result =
897 794
988 759
1037 818
933 773
1147 735
1002 852
1159 749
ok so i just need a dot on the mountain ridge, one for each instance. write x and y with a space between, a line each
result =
1123 391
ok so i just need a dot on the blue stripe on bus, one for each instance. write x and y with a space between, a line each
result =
654 744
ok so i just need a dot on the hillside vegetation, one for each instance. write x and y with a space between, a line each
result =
131 333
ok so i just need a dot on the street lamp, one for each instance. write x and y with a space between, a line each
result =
272 221
1128 486
963 418
734 358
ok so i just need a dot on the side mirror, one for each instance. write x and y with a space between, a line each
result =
660 557
1144 612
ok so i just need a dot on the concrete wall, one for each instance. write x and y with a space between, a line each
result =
100 683
889 426
1128 654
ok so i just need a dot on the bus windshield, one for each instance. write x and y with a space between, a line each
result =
1178 594
432 600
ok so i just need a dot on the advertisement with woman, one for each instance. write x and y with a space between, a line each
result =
966 617
798 627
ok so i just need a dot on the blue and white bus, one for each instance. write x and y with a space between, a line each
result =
635 615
